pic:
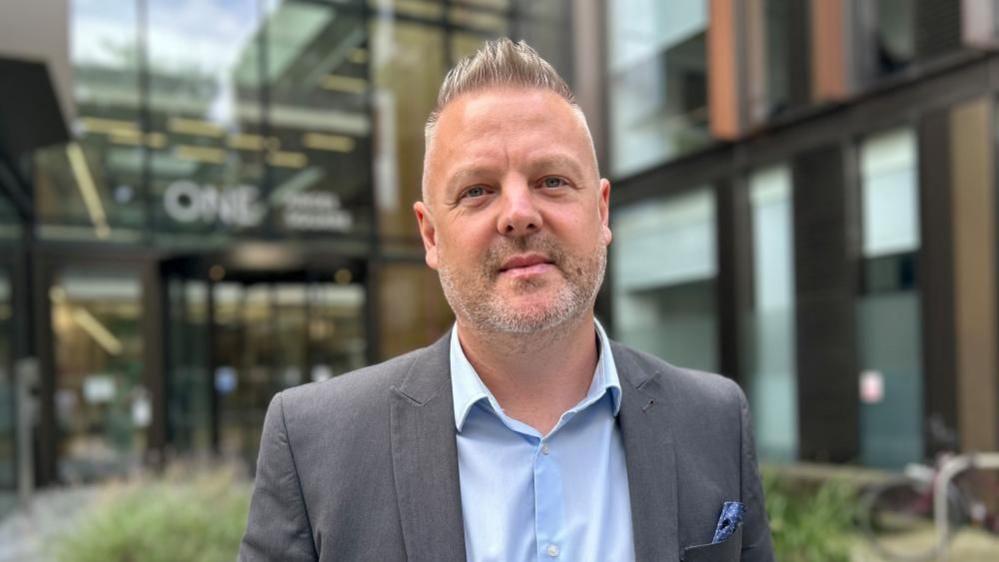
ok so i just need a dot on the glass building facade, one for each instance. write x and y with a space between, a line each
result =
230 216
805 202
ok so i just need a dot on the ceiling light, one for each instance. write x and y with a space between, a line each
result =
336 143
88 189
345 84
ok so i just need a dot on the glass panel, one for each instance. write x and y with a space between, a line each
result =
10 223
890 354
890 197
491 23
888 308
895 37
546 25
207 161
769 348
336 329
408 67
102 407
317 61
414 312
664 269
190 386
243 376
464 44
273 336
8 435
92 187
777 30
658 81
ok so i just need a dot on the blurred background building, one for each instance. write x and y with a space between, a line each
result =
206 201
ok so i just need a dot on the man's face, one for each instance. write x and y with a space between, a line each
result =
515 220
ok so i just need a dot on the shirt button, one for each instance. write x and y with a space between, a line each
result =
553 550
545 449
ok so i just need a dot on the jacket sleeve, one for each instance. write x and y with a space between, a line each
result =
278 528
757 545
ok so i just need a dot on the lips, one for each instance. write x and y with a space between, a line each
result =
525 261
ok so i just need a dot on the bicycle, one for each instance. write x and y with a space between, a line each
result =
914 518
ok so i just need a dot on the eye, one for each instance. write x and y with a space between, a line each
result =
475 191
552 181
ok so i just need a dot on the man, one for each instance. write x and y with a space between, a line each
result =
525 433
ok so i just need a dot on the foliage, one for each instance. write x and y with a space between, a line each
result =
187 515
809 523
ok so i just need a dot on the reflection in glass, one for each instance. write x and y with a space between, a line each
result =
102 407
407 71
658 81
7 389
664 270
414 312
190 387
207 165
769 348
10 223
319 164
273 336
888 309
894 34
778 41
91 187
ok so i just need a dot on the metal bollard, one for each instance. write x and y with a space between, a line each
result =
27 380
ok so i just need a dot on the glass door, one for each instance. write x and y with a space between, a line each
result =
235 341
102 406
272 336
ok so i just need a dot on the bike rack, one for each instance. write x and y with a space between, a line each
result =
950 469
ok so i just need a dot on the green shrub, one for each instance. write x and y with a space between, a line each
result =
191 516
809 523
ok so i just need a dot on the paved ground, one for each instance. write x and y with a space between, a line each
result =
967 546
23 534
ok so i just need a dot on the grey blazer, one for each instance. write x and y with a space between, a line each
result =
365 466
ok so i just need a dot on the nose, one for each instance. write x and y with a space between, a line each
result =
520 215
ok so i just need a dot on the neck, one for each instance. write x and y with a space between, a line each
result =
534 377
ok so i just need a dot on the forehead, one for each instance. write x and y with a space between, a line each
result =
508 119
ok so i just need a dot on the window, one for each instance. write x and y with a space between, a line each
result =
888 312
769 348
657 81
664 268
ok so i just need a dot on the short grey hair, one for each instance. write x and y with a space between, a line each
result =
499 63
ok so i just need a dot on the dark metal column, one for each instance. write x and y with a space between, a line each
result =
825 234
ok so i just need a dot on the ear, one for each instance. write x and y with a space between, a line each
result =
428 232
605 188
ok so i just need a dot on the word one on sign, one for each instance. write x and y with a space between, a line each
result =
240 206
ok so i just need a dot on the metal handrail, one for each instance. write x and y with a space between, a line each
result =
948 470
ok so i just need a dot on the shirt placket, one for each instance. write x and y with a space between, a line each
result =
549 504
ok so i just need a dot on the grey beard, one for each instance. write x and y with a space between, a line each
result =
485 311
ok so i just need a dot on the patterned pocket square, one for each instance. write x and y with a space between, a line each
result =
728 521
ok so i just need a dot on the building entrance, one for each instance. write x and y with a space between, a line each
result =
239 337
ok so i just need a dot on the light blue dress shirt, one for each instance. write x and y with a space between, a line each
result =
532 497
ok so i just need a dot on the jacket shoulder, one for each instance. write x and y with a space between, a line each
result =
352 392
643 369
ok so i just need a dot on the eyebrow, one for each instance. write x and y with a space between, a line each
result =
465 175
557 161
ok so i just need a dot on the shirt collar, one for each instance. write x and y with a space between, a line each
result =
468 389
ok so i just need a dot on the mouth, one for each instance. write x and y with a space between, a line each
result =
527 264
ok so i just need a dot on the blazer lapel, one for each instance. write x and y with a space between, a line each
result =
650 458
425 459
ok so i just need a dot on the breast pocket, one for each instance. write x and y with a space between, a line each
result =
729 550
